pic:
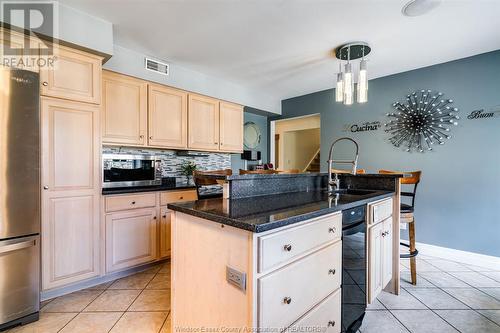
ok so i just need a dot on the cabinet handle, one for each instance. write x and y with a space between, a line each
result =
332 230
331 323
287 300
45 83
287 247
133 202
332 271
45 187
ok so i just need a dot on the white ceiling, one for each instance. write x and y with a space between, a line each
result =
284 47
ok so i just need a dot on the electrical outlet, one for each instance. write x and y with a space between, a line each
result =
236 278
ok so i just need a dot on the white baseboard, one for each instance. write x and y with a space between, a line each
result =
49 294
464 257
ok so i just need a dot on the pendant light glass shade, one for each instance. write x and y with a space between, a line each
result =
362 92
348 85
339 89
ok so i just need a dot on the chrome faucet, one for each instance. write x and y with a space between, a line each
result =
334 184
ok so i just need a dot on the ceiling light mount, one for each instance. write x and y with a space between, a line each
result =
352 51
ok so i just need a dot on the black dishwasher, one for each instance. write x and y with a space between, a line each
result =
354 266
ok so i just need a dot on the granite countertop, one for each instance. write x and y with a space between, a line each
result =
296 175
263 213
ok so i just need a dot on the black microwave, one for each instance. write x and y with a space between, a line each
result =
121 170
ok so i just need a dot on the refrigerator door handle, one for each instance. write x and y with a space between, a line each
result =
17 246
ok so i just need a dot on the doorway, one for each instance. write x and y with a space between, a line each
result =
296 143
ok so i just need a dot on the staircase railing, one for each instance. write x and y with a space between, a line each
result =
312 159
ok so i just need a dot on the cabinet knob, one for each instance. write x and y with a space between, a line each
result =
287 300
45 83
181 198
332 230
287 247
331 323
164 216
151 137
221 144
45 187
133 202
154 217
141 136
216 143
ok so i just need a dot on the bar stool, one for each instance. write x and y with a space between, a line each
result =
408 217
200 180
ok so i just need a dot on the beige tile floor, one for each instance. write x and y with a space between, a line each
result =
449 297
139 303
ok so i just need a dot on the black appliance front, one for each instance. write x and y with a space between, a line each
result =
354 266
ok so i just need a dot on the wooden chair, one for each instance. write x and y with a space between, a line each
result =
289 171
200 181
257 172
407 216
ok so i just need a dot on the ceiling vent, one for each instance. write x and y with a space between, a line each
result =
156 66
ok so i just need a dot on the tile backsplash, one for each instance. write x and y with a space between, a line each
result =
171 163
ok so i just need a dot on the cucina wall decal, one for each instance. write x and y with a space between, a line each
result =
425 119
363 127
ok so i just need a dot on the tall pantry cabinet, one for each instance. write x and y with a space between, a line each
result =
70 143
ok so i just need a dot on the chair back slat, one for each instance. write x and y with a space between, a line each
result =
200 180
257 172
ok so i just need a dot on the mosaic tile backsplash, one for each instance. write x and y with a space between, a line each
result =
171 163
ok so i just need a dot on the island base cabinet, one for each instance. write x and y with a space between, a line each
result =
379 258
325 317
130 238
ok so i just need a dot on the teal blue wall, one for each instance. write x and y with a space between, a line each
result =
261 121
458 199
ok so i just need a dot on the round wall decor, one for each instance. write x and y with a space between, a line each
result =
251 135
423 120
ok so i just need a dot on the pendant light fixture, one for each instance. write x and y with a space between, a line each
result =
339 89
344 91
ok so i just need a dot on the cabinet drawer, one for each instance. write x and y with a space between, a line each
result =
325 317
124 202
380 211
176 196
287 294
280 247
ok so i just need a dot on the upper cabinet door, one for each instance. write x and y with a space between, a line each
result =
124 109
231 127
167 117
76 75
203 123
14 42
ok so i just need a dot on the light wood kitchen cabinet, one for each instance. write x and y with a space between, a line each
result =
231 127
165 234
380 248
70 191
76 75
167 117
203 123
130 238
15 42
124 109
375 263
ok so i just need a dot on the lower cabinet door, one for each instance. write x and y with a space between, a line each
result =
325 317
288 293
375 261
387 254
165 234
70 238
130 238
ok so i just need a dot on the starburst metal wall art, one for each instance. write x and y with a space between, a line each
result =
423 121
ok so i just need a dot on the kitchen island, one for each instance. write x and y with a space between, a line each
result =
272 262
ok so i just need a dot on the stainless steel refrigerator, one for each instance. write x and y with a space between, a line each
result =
19 197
